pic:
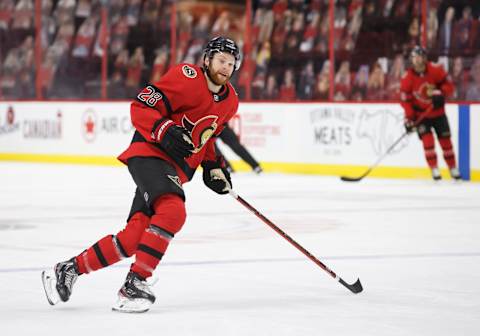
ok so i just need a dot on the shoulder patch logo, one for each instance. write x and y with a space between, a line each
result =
189 72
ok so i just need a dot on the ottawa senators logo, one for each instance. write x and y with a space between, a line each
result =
189 72
200 131
424 92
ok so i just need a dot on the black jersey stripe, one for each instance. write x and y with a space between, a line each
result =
151 251
100 255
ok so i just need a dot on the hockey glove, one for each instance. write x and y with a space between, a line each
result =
216 176
173 139
438 100
410 126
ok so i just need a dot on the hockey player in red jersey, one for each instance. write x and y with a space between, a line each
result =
175 120
424 88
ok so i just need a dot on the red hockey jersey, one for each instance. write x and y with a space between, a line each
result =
181 95
416 90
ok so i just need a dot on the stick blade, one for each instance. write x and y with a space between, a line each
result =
354 288
350 179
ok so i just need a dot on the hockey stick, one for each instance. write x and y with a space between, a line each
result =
354 288
381 157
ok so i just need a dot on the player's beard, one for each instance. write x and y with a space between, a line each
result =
217 78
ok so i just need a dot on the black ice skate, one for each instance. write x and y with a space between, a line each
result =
59 283
135 296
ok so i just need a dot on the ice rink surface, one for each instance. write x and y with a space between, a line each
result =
415 245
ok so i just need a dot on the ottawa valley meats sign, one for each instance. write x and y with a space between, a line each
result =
332 128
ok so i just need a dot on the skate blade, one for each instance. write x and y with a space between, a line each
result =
49 282
134 306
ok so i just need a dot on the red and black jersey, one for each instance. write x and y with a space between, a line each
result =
181 95
416 90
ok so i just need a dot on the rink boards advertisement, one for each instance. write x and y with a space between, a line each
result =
317 138
63 131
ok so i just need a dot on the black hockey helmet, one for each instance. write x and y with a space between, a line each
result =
223 44
418 50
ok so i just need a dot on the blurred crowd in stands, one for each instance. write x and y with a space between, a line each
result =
288 39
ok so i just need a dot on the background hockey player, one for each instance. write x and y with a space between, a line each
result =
175 120
424 88
230 139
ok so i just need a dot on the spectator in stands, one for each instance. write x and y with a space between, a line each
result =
459 78
84 38
279 9
446 32
402 8
360 84
339 24
47 74
258 85
342 81
150 12
355 22
310 33
413 33
121 64
64 37
194 51
463 32
306 83
292 44
115 10
370 15
432 28
265 25
119 34
133 12
159 64
263 56
84 9
26 54
185 21
201 29
387 6
271 90
221 26
278 38
321 47
6 12
116 88
473 92
322 86
23 15
134 72
376 83
394 77
287 90
64 11
11 68
49 25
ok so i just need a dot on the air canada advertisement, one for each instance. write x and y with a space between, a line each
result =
64 128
